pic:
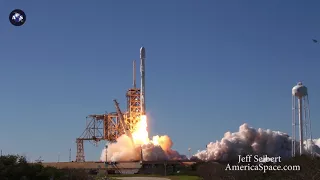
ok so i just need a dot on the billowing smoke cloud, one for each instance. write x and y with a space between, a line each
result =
251 141
124 150
246 141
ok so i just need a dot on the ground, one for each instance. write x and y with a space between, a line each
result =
160 178
143 178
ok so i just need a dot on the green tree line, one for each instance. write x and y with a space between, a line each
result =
15 167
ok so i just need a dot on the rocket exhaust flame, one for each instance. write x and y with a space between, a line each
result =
159 148
141 135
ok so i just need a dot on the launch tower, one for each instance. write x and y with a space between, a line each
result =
301 120
108 126
133 103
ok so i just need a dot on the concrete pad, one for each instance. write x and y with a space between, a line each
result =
142 178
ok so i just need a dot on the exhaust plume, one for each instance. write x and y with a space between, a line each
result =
247 140
251 141
124 150
159 148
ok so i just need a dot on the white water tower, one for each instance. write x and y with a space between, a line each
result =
301 119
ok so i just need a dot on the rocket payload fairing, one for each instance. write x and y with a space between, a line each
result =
143 82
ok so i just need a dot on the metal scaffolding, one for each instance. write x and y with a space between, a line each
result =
108 127
133 108
99 127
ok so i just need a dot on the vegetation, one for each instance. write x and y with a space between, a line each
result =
17 168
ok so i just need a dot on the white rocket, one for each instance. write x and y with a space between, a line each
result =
143 82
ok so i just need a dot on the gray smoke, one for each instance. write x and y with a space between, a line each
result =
251 141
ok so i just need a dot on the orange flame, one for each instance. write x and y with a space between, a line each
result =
141 135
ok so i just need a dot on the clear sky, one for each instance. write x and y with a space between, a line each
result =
211 66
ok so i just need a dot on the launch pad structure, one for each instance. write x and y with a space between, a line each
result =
108 126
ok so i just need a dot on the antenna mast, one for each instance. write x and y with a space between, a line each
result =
134 73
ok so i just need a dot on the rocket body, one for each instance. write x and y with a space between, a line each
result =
143 82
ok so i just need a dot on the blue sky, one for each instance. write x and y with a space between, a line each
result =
211 66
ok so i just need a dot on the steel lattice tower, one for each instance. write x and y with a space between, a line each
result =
133 103
107 126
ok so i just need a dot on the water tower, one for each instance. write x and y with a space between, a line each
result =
301 119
